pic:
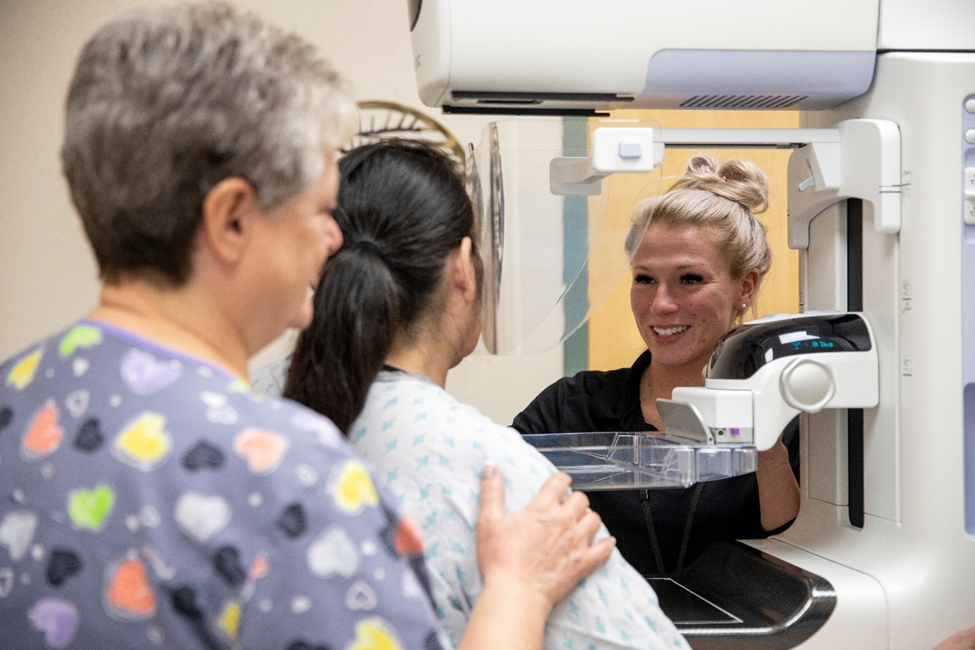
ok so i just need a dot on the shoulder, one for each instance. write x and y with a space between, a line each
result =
415 411
415 433
570 402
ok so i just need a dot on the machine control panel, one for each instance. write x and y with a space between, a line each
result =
747 348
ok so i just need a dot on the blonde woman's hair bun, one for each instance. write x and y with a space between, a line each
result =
740 181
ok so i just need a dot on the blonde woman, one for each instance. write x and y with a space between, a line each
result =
698 255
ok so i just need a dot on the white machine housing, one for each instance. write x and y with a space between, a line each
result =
904 570
753 406
550 55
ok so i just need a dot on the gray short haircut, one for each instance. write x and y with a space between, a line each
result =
166 103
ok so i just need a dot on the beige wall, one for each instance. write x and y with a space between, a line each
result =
47 276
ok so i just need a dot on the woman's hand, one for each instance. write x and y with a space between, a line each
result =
546 546
529 559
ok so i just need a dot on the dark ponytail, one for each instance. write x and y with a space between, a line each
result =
402 209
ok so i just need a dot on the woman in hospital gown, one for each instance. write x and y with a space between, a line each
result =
396 308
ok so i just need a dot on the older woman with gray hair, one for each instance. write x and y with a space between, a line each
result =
150 499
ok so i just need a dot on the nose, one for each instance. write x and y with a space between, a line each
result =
663 302
333 236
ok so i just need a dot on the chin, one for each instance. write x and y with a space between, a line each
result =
676 359
302 317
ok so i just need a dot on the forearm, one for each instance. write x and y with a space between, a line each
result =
506 616
778 491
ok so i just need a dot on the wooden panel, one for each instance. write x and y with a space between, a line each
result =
614 341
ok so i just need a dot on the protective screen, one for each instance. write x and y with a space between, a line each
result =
550 257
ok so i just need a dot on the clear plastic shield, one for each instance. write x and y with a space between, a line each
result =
552 251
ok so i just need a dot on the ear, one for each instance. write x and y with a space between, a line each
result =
749 286
460 269
226 226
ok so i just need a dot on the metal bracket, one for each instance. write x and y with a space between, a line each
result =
865 164
855 159
614 149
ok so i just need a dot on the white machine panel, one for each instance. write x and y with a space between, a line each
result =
537 55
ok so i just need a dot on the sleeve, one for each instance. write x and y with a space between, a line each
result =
543 414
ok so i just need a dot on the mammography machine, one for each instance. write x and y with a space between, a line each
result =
882 210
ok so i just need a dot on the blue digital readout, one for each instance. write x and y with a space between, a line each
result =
813 345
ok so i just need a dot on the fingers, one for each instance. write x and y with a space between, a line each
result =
553 489
576 505
599 553
491 506
589 525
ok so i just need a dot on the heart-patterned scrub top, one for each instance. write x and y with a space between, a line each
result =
150 500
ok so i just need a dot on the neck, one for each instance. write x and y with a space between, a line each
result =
659 382
423 357
663 380
174 318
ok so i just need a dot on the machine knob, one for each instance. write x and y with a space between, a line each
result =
807 385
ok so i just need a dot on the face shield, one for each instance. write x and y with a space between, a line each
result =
554 199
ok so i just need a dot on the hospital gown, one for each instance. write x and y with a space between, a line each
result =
429 449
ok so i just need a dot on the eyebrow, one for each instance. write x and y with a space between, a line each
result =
682 268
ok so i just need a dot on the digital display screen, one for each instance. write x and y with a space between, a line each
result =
749 347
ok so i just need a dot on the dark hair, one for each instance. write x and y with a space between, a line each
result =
166 103
402 208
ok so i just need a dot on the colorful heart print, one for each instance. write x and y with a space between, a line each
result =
203 456
263 450
6 581
200 516
80 366
374 634
62 564
328 435
411 588
6 417
57 619
333 552
80 336
88 509
407 540
22 374
17 532
353 488
292 521
143 374
144 442
77 402
128 594
361 596
89 438
218 410
44 435
229 619
226 562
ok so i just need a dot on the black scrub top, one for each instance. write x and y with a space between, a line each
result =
610 401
